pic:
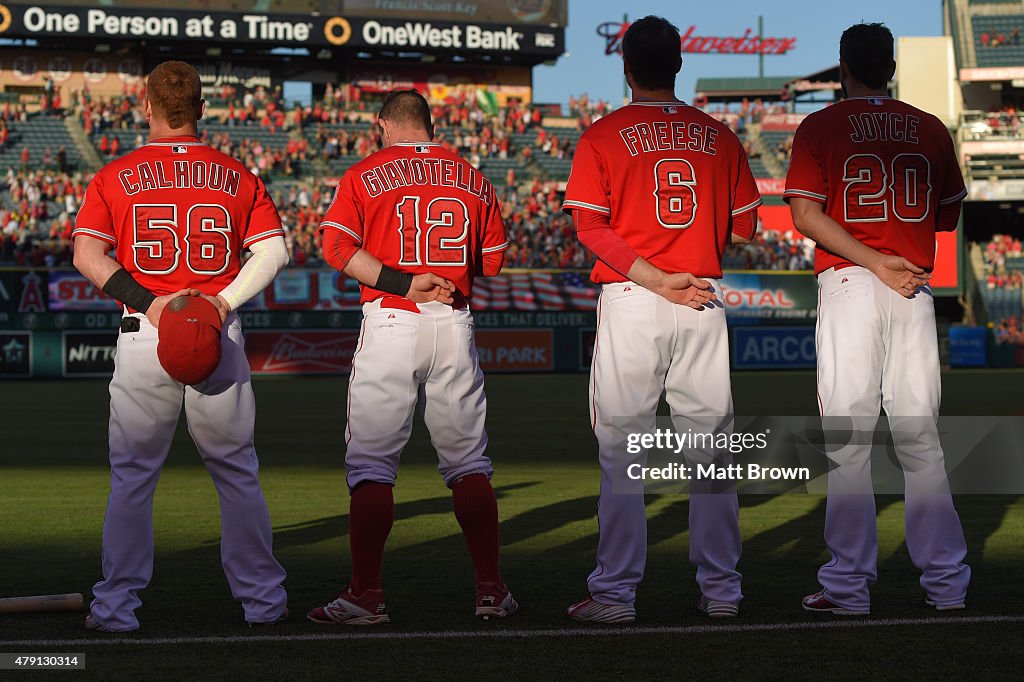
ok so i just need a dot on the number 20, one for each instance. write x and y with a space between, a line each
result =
868 182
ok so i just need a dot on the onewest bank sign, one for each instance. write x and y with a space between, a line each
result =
26 21
690 42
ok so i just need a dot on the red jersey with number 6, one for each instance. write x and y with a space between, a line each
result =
418 207
672 181
886 171
179 214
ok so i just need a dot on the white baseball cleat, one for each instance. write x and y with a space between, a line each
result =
718 609
494 601
594 611
946 607
348 609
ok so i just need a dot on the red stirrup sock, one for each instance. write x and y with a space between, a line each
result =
476 509
371 514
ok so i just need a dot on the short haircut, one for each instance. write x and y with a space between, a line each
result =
867 51
175 93
651 49
406 107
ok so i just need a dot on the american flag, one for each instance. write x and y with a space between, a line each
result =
535 291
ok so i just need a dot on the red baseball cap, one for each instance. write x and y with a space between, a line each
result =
189 339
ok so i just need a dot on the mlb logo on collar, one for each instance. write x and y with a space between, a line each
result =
179 149
422 149
877 101
670 110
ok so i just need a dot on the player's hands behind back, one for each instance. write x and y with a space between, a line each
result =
682 288
429 287
901 275
160 302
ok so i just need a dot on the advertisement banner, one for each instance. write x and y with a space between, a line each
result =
300 352
15 355
516 350
773 348
70 291
283 30
770 298
22 291
967 346
88 354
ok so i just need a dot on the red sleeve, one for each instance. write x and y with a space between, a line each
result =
338 248
264 222
806 176
588 186
94 218
494 240
953 191
595 232
345 212
745 199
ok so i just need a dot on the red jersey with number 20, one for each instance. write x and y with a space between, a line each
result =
419 208
670 178
179 213
884 170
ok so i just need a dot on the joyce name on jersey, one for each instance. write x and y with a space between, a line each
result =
884 170
419 208
673 181
179 214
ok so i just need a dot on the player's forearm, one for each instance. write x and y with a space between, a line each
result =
269 257
92 261
646 275
812 222
364 267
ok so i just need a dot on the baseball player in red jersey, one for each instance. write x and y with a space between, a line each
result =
178 215
872 179
410 210
657 190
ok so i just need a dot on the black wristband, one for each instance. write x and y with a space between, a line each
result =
123 287
393 281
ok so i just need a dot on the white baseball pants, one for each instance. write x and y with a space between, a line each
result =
877 349
404 359
646 347
145 404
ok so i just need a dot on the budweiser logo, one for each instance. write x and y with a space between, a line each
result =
293 352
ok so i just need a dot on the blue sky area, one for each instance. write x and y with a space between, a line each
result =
816 26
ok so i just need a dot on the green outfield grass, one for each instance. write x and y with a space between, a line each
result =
53 484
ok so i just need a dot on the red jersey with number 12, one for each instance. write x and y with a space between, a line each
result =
179 214
670 178
883 169
419 208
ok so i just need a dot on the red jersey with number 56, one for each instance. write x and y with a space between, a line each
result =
179 214
672 181
418 207
886 171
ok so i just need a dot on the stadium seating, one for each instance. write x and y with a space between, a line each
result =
1008 53
39 133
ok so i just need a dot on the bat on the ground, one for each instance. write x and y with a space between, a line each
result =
44 603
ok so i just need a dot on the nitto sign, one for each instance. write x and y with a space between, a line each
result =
689 42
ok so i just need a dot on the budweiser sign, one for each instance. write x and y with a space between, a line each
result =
689 42
301 352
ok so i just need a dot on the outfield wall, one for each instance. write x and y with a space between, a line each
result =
54 323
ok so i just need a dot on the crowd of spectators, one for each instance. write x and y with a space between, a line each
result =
1009 331
37 212
1001 39
772 250
998 253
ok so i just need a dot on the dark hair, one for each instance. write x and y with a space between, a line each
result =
174 92
866 49
651 49
407 107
